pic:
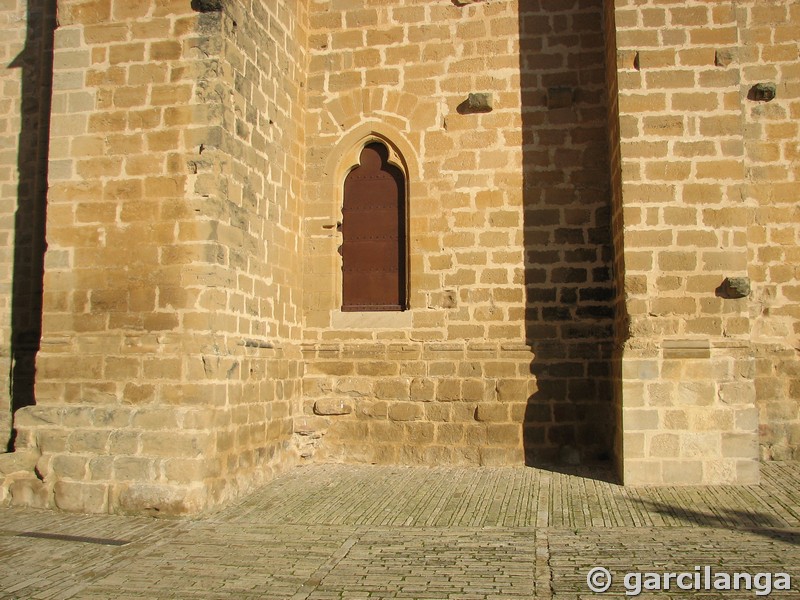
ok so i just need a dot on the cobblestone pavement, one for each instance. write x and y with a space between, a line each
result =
335 531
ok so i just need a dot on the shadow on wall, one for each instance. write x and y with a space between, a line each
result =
36 63
568 252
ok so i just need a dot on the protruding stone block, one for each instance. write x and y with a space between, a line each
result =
205 6
734 288
480 102
762 92
333 406
686 349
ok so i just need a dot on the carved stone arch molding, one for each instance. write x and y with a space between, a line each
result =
345 157
345 154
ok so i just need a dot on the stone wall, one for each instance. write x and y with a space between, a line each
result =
27 53
617 223
166 377
503 354
770 55
601 224
13 45
255 170
567 234
688 371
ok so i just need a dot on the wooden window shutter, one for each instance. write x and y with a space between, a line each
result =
373 232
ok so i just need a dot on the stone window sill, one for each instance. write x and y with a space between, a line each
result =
371 320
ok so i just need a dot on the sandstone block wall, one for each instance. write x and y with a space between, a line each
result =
27 55
504 350
687 375
254 174
694 159
601 254
769 54
166 376
621 319
10 123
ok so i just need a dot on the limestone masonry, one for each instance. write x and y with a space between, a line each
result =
600 241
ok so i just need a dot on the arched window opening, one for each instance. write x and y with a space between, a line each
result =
374 234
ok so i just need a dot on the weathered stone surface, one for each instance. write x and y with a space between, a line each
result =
207 5
85 497
686 349
19 461
735 287
479 102
763 92
309 425
405 411
724 57
160 500
555 523
27 491
492 413
332 406
564 250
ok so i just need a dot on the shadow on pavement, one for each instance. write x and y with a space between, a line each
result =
755 522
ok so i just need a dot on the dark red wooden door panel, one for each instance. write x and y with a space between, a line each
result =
373 231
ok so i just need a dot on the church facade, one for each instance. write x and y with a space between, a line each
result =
242 235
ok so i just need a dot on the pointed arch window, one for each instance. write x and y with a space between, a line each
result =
374 257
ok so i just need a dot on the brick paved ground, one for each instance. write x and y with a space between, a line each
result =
381 532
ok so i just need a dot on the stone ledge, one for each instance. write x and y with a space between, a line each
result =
371 320
686 349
